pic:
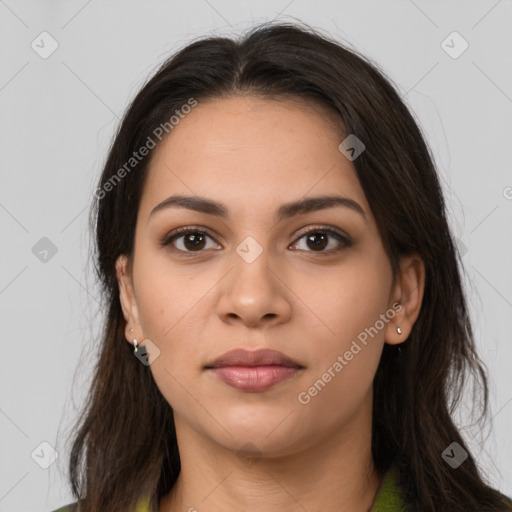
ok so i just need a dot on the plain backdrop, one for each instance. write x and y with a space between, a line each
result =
58 113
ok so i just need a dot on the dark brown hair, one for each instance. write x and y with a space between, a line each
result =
124 446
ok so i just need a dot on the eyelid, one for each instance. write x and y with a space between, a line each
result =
322 227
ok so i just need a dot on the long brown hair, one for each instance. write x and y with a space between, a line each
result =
124 446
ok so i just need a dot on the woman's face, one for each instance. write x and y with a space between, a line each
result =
254 280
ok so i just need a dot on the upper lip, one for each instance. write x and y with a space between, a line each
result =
262 357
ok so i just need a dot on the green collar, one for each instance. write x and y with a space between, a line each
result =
389 497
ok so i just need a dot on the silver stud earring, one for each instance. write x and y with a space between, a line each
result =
398 330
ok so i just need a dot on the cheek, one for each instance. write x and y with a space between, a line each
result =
169 296
345 300
345 322
343 365
168 304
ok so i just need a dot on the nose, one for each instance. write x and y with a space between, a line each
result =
254 294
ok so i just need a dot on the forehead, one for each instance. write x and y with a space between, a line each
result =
249 151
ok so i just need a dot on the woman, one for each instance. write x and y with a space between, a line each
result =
274 250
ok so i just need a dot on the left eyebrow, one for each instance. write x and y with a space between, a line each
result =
312 204
285 211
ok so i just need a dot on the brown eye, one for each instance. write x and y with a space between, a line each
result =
188 240
316 240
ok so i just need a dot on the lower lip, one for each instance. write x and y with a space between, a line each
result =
254 378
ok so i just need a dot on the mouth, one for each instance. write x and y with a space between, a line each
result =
253 371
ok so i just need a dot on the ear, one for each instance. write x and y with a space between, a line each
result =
128 300
408 292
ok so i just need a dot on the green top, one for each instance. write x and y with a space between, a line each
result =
388 498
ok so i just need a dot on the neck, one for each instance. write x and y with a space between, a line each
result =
335 474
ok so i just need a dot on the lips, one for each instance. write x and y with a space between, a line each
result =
253 371
263 357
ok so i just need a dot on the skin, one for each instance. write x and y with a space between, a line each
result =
253 155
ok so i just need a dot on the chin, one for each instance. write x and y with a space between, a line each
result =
273 432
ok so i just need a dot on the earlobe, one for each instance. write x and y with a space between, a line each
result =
408 292
127 298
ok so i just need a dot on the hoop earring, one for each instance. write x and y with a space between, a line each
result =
135 345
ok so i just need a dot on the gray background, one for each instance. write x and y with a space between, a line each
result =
57 117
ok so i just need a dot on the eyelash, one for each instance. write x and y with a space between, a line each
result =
180 232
